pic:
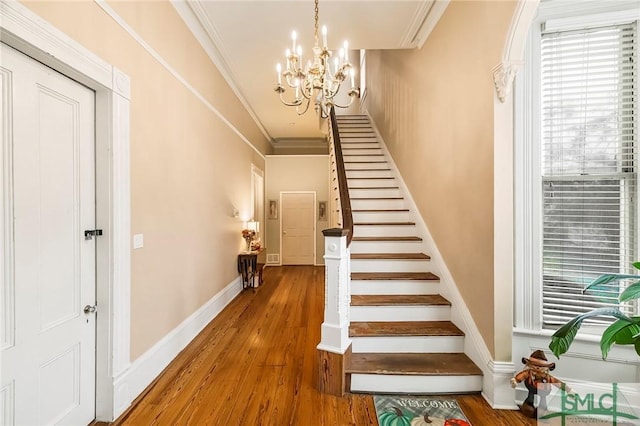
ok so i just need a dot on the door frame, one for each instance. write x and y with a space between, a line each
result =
26 32
315 221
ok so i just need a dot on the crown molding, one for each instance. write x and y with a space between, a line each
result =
426 16
198 22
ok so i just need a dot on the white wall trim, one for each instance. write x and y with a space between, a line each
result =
193 16
498 391
120 21
148 366
30 34
474 345
425 18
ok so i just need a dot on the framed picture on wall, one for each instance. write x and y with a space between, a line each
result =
273 209
322 210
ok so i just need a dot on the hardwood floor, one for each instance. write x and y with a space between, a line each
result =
255 365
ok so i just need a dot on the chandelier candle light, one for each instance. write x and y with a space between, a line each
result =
317 80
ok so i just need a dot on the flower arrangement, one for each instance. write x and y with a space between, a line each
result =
248 235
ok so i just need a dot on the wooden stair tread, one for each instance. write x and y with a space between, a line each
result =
386 239
385 223
398 300
369 178
365 162
392 256
404 328
412 276
429 364
380 210
374 187
367 170
359 148
376 198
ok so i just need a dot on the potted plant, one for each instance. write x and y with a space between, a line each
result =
624 331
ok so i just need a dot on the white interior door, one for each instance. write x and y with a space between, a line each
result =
48 354
298 228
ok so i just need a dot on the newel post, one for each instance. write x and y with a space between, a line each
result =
335 345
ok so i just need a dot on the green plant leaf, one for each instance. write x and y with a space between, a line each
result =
563 337
631 292
621 332
636 345
636 265
607 278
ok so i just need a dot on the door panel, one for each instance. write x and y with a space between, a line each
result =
49 370
298 228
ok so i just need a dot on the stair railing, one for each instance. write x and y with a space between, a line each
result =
342 217
334 348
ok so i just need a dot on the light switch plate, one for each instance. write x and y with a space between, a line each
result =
138 241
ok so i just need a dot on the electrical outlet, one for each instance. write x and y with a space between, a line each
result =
138 241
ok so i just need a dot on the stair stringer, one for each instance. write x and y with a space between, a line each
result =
496 388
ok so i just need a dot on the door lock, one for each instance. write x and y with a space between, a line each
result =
88 234
89 309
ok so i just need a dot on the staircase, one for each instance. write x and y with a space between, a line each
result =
402 338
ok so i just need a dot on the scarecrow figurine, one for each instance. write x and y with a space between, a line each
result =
538 381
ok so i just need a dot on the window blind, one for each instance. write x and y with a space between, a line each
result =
589 171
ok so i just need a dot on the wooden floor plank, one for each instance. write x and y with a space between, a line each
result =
255 363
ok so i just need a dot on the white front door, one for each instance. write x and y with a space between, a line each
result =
298 228
48 161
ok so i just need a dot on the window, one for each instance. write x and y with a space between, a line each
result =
589 171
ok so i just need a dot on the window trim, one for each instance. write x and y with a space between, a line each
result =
528 214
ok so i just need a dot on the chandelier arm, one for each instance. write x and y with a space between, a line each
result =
353 93
305 108
294 103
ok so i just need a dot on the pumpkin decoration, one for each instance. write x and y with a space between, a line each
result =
427 421
456 422
394 418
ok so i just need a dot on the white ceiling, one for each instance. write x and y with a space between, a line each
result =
246 39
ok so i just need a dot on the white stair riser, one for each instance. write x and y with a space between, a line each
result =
377 204
361 151
433 385
349 157
360 143
349 167
386 246
354 174
355 182
360 132
376 192
382 217
400 313
384 231
371 287
389 265
408 344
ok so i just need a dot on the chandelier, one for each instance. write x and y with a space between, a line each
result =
318 80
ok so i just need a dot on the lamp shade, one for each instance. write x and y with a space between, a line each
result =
253 226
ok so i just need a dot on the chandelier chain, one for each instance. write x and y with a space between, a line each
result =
315 33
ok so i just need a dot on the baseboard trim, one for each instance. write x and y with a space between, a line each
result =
144 370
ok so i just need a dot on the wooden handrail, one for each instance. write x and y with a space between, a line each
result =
345 201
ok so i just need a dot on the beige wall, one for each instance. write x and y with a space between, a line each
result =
434 108
189 170
297 173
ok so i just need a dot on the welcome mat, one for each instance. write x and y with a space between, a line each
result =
395 410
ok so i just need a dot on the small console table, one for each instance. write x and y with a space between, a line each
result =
249 268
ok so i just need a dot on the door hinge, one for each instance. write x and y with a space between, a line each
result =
88 234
